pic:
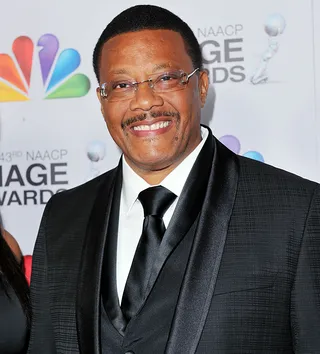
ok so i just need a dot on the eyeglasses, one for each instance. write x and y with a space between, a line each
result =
161 83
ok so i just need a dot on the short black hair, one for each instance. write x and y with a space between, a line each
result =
148 17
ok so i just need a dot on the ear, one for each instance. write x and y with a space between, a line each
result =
98 94
100 99
203 86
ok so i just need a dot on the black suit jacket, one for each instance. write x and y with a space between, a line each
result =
252 283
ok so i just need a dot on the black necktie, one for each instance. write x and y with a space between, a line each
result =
155 202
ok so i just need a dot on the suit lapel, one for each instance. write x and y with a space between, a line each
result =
201 274
187 209
88 297
109 291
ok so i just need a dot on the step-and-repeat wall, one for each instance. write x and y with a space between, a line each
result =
263 60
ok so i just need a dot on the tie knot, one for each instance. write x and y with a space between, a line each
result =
156 200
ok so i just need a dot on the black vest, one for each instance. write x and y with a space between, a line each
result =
148 331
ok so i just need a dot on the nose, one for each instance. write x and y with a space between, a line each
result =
145 98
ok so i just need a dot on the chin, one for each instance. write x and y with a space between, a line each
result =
153 163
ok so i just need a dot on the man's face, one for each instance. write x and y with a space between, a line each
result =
154 130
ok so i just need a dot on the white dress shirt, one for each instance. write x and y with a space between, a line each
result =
131 211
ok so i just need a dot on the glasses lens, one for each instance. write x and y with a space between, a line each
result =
118 90
168 81
125 89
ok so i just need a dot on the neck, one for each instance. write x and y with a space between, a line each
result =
155 174
153 177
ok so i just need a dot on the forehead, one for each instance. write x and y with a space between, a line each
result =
143 50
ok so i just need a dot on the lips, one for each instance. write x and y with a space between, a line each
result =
151 129
154 126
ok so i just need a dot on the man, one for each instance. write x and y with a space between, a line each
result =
185 247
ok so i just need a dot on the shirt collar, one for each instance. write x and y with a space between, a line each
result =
133 184
177 178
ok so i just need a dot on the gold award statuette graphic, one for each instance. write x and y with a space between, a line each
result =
274 27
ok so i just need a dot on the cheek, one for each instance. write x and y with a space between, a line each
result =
186 104
113 116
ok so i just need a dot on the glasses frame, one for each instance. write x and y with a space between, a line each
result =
185 77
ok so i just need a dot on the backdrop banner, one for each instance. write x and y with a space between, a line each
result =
263 61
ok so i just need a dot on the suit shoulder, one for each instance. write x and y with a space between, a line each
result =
76 194
252 171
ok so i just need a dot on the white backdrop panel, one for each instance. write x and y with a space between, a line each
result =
276 118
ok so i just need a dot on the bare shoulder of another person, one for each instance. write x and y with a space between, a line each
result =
13 244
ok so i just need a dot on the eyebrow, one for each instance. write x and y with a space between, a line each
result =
157 67
120 72
161 66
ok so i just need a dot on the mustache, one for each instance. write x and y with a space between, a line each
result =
144 116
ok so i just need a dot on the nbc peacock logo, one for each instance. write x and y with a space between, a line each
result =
57 70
